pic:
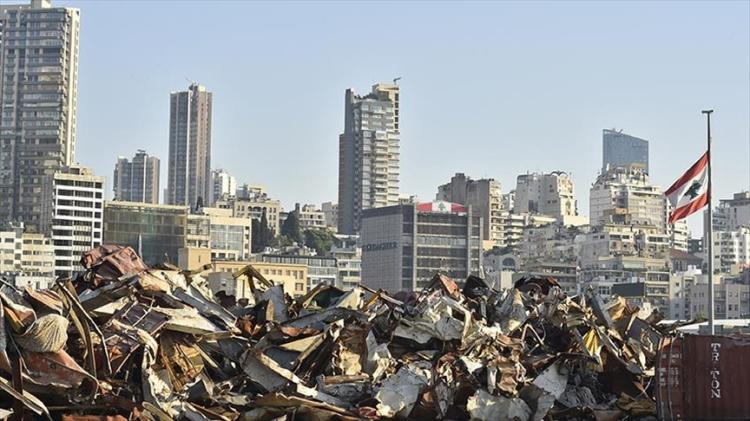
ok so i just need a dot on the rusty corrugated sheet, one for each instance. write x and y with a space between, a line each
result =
704 377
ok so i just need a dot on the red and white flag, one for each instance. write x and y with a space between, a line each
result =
690 192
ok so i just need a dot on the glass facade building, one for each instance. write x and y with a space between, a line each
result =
620 149
157 232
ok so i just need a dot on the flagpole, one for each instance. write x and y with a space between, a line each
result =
710 231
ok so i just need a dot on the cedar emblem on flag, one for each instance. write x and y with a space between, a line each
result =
690 192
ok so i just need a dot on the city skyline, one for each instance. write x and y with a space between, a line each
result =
653 88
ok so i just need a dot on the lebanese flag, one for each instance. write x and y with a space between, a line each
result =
690 192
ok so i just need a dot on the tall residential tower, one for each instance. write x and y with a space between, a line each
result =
38 94
368 154
137 180
189 174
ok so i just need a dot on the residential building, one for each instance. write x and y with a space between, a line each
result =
508 201
223 184
624 195
26 258
484 197
565 272
551 194
320 269
253 208
606 272
620 149
732 250
230 236
683 261
293 277
250 191
695 245
550 242
609 240
368 154
189 172
38 106
681 285
137 180
198 231
349 264
731 300
156 232
404 246
309 217
513 224
77 216
331 215
733 213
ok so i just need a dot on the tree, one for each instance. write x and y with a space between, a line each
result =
261 234
291 228
319 239
256 245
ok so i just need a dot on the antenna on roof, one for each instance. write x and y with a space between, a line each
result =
395 80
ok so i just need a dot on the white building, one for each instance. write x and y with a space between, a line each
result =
550 194
26 258
309 217
732 250
253 208
349 263
625 195
223 185
77 216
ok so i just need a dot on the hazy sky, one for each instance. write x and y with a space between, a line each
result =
489 89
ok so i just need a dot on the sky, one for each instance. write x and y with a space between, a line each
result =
491 89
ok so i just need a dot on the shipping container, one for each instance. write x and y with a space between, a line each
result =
703 377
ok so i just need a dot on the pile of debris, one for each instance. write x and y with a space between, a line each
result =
124 341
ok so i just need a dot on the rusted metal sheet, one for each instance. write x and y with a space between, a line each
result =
109 261
122 339
703 377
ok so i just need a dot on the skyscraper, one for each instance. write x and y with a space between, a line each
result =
38 95
189 175
368 154
137 180
620 149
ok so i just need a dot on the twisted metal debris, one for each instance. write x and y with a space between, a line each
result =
124 341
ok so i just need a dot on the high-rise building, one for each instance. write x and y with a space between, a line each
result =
223 185
77 216
483 196
189 173
38 104
368 154
550 194
624 195
403 246
620 149
137 180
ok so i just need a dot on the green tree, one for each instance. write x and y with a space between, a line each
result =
261 234
290 228
320 239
